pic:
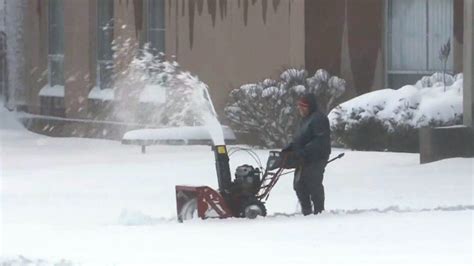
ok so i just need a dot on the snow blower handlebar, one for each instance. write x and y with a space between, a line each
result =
337 157
279 161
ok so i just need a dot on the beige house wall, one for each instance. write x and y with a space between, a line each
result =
81 49
36 52
125 32
230 43
226 43
79 41
127 35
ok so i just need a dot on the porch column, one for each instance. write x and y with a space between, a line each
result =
449 142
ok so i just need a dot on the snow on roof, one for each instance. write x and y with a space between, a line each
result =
54 91
450 127
102 94
176 133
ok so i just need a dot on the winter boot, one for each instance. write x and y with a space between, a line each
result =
318 211
306 211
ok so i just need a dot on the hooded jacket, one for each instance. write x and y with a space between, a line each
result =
311 141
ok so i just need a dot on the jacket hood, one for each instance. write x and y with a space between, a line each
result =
310 99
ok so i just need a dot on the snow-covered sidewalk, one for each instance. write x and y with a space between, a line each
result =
97 202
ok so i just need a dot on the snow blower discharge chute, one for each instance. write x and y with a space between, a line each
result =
245 196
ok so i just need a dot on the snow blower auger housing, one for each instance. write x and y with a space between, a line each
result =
245 196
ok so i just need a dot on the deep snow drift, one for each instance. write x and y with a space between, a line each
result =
97 202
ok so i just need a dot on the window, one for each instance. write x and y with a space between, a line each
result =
105 53
156 25
417 29
56 43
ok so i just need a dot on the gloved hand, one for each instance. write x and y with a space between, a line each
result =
299 153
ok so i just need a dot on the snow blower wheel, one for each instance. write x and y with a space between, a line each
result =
254 209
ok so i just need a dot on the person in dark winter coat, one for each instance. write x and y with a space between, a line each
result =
311 146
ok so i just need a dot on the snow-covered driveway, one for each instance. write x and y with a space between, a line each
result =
97 202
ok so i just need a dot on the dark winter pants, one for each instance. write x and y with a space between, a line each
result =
308 184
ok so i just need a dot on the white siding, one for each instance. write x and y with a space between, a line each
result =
440 17
407 35
416 31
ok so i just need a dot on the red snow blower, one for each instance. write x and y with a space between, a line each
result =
245 196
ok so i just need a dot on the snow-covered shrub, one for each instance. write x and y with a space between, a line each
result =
267 110
437 80
397 114
365 135
326 88
158 92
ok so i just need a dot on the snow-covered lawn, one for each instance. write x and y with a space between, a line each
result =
97 202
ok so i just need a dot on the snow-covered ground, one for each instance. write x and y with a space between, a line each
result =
97 202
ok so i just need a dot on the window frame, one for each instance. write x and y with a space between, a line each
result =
157 27
105 40
55 43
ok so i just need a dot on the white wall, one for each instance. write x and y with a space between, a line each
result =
13 20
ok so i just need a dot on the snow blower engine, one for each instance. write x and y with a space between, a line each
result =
245 196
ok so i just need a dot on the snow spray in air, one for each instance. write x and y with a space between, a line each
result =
214 128
177 98
202 104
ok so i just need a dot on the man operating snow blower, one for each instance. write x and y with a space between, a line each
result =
311 145
246 194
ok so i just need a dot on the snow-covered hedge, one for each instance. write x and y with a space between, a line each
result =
389 119
267 110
